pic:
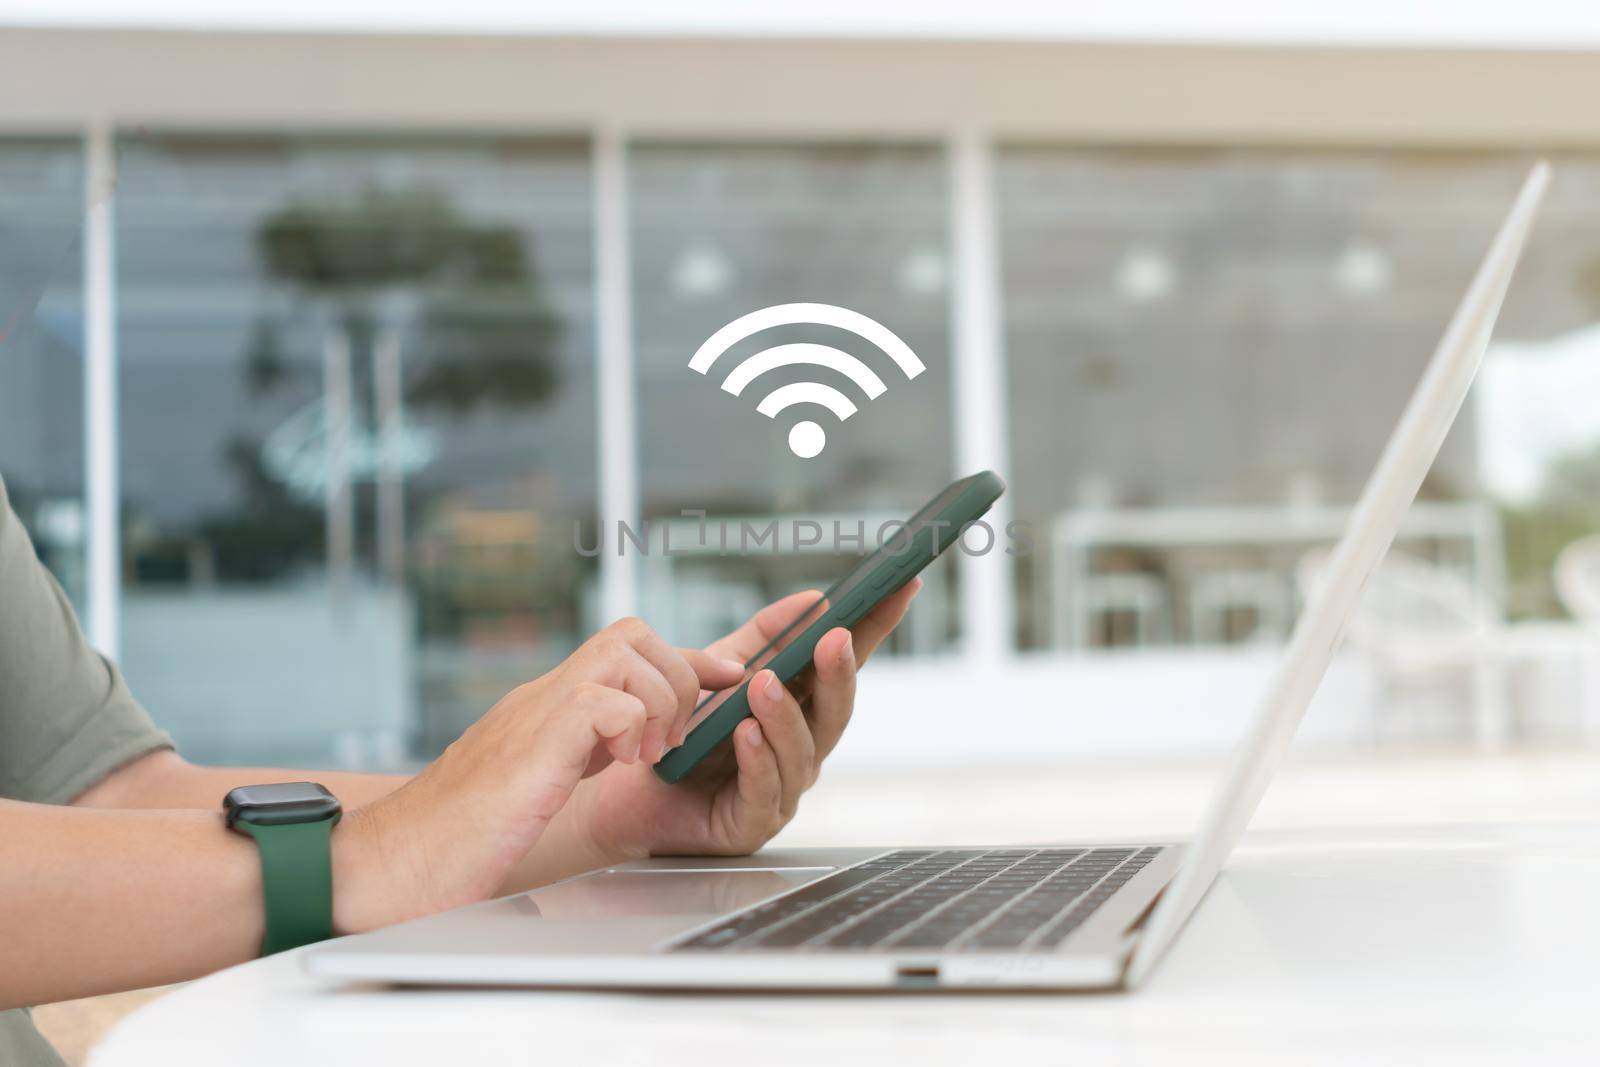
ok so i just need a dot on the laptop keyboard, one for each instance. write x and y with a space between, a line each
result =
953 900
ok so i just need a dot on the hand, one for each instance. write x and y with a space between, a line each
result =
450 835
741 795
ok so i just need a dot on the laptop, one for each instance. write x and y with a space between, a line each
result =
1055 917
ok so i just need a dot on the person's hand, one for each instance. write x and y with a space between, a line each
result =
450 835
743 793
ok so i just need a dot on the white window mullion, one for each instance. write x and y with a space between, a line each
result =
616 426
978 385
101 494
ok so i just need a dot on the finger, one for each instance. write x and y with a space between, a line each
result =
687 672
617 721
833 696
651 671
692 672
784 726
771 620
712 673
644 680
878 623
766 624
758 789
867 634
598 718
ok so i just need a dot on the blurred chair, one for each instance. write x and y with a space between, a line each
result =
1217 597
1141 598
1577 581
1424 627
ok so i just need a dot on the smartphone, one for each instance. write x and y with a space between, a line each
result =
934 528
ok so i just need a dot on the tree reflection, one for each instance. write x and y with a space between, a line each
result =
420 311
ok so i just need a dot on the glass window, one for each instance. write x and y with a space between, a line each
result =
719 231
41 347
1207 349
357 429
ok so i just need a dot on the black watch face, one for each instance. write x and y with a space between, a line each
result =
280 803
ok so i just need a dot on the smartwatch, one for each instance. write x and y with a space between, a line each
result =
292 824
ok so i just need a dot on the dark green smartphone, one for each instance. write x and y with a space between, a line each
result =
934 528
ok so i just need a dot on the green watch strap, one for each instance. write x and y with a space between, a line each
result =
296 880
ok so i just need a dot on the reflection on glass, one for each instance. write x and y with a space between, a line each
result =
1206 350
642 894
41 347
719 231
357 431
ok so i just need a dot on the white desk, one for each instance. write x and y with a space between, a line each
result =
1454 945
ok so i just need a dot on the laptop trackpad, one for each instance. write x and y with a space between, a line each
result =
624 894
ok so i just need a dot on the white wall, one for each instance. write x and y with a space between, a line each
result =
1548 23
1143 93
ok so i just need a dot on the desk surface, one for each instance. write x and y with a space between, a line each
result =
1453 944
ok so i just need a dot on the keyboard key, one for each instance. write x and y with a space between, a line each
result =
930 899
780 909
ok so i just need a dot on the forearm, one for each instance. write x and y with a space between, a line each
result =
96 901
167 780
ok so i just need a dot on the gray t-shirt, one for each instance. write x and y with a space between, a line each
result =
66 716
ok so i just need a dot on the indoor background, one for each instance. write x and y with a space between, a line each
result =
326 348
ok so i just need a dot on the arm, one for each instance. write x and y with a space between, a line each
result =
166 780
94 899
740 800
97 901
530 793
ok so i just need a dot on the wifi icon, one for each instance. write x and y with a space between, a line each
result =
806 438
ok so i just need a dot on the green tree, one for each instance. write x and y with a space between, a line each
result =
1567 508
460 299
487 334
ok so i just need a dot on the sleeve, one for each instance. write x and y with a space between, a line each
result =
67 718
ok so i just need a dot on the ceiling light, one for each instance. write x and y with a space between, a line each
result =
1363 270
700 271
1145 275
922 273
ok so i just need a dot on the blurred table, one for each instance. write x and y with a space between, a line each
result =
1459 944
1075 536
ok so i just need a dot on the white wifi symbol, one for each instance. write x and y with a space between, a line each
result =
806 438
